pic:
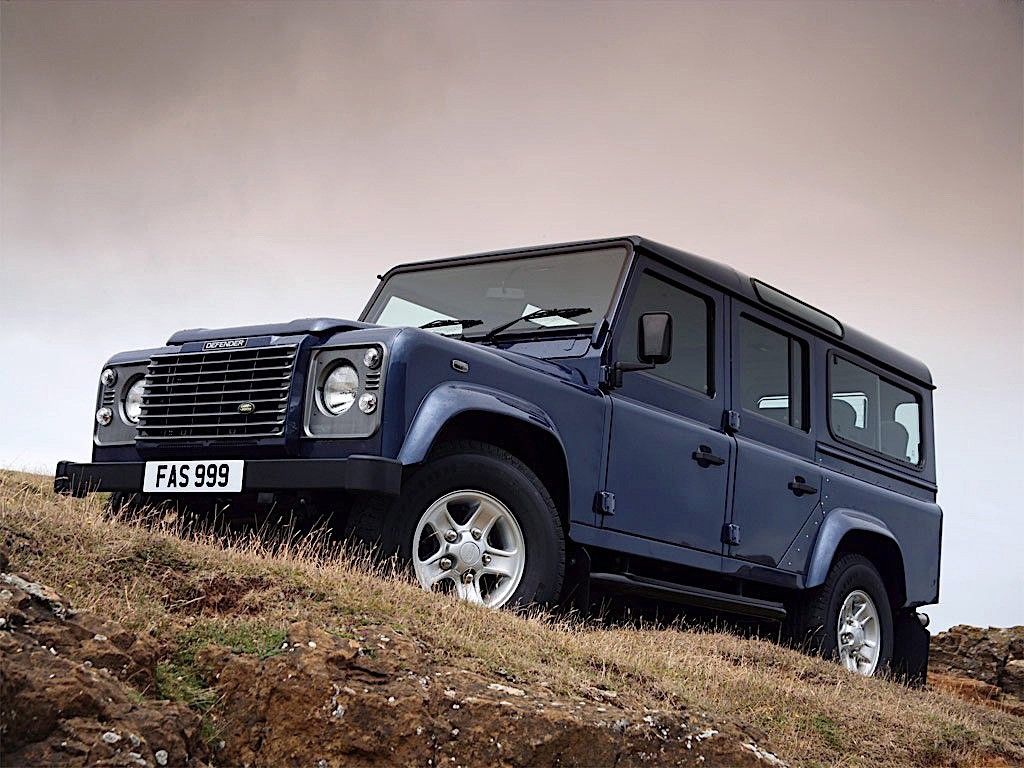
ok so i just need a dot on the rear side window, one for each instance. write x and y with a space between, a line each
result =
692 324
874 413
772 370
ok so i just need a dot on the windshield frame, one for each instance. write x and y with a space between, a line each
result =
596 330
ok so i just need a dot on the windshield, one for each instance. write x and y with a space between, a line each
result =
487 295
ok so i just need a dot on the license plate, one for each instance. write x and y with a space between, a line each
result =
193 477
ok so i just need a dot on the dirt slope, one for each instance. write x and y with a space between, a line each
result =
210 652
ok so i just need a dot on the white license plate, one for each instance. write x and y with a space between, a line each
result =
193 477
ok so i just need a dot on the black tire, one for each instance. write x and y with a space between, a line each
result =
813 618
390 525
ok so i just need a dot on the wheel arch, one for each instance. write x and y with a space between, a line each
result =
467 412
847 531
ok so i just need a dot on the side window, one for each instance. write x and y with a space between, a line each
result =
692 324
868 410
773 372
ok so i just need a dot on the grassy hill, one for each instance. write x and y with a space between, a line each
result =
227 616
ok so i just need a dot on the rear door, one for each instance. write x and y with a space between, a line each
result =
669 460
778 484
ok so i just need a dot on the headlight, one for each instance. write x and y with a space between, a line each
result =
133 400
104 416
339 389
109 377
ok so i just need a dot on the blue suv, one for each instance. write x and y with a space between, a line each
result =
553 424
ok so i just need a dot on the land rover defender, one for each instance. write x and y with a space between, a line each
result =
561 422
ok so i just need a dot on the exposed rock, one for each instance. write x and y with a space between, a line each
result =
329 700
58 709
375 699
1012 679
981 664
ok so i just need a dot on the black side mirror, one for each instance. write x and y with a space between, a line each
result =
654 338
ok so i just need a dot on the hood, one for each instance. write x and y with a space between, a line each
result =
317 326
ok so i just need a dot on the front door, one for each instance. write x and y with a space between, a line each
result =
778 485
669 461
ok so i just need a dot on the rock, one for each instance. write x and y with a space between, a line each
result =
974 652
56 710
1012 679
359 701
981 664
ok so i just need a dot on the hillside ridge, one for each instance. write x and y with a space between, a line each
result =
262 650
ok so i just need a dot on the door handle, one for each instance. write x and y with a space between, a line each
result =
706 458
799 486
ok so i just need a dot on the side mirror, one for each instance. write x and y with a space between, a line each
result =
654 338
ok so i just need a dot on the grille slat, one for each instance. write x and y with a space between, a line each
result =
196 395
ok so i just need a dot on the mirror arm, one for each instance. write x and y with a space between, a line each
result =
613 373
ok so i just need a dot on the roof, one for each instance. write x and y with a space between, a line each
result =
728 280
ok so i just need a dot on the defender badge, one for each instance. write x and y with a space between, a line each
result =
246 408
225 344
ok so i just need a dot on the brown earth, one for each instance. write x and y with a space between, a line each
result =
71 689
265 651
74 688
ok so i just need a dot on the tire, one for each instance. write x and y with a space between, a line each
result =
464 479
813 623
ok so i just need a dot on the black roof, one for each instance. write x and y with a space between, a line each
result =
727 279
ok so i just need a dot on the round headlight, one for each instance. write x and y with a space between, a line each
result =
109 377
104 416
339 390
368 402
372 358
133 400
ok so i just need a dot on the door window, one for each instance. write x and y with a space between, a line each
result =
871 412
773 374
692 323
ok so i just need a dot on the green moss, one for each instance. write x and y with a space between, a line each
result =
181 679
829 731
241 637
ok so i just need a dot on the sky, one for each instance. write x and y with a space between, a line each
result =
172 165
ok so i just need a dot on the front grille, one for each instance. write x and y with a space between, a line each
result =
204 395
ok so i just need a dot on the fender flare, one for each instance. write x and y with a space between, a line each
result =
451 399
837 524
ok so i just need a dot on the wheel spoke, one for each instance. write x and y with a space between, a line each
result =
484 518
440 519
503 562
430 571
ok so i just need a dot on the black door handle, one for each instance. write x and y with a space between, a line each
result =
799 486
706 458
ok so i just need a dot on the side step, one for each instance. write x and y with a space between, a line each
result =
627 584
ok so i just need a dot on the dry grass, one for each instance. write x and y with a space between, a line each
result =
194 585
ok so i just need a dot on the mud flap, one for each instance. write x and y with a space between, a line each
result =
910 649
576 586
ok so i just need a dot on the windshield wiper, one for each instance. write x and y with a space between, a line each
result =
535 315
449 323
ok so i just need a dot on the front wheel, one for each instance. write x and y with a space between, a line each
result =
476 522
848 618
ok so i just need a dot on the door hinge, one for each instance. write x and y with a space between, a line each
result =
731 534
604 503
731 421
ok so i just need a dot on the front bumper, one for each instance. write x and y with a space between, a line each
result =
373 474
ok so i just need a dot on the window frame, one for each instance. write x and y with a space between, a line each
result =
848 357
805 373
651 270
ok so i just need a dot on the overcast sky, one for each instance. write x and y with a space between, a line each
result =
178 165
